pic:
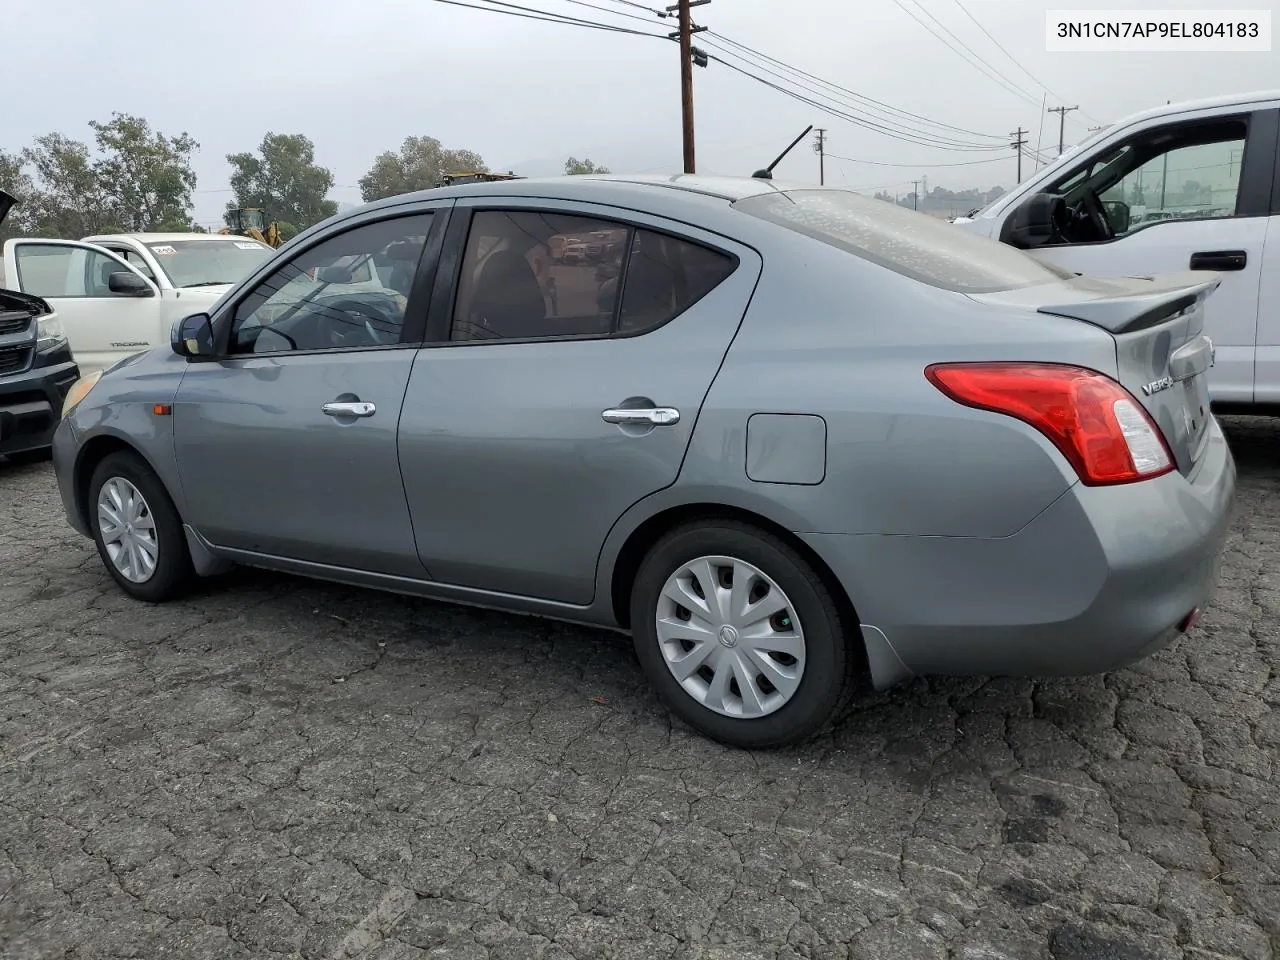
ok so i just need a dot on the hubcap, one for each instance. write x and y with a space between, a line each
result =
128 530
730 637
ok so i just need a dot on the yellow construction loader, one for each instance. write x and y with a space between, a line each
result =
252 222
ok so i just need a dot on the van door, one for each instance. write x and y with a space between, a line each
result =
1187 194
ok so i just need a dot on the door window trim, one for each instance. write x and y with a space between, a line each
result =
89 248
1259 174
444 298
415 315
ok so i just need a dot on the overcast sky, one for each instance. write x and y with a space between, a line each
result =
358 77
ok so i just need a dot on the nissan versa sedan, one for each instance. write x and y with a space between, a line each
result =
789 438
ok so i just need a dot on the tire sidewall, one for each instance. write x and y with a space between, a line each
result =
826 650
173 562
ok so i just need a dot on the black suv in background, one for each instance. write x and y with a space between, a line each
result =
36 369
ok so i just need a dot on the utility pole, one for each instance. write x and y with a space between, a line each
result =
820 148
1018 143
1062 125
915 194
685 35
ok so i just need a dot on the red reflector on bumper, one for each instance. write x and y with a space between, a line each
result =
1190 620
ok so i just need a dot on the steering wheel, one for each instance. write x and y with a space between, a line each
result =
1098 216
354 308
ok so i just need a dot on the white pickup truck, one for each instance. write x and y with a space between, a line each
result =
118 295
1192 185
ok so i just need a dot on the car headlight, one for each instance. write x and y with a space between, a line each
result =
79 390
49 331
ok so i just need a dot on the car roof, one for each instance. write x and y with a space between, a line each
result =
161 237
622 189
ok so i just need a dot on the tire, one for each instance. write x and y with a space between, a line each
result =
23 457
831 661
171 570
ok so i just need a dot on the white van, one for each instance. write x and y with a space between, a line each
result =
1191 185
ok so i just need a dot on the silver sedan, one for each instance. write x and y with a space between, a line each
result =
791 439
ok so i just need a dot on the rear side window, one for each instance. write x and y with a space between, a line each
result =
530 275
665 277
912 244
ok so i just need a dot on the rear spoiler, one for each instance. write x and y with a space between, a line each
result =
1165 295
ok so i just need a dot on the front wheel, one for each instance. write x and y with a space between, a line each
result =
740 637
137 529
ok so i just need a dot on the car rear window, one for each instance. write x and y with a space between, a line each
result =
913 244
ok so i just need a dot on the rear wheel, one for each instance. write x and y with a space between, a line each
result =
137 529
740 637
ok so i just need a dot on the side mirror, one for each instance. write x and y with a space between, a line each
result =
192 336
130 284
1118 215
1032 224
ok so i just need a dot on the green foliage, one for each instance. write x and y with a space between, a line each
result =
575 167
137 179
420 164
284 180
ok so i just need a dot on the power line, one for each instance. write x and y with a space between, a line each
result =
548 17
926 137
976 62
884 163
862 121
873 104
1036 80
1018 145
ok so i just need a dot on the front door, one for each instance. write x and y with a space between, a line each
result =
556 401
102 326
286 444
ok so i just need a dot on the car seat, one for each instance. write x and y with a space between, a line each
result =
508 299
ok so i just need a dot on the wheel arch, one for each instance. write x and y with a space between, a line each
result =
642 539
93 452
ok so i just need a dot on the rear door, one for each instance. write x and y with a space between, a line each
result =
562 386
102 326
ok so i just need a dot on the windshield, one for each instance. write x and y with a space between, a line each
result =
202 263
910 243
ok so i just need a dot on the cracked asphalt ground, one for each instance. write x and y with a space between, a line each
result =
277 768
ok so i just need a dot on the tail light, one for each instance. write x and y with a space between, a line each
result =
1096 423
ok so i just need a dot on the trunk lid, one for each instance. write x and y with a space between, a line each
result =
1162 353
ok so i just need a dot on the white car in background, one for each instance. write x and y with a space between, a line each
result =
119 294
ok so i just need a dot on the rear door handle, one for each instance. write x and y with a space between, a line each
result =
1219 260
644 416
355 408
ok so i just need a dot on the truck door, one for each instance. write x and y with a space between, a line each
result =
1186 194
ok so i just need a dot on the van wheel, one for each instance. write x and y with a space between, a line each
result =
137 529
740 637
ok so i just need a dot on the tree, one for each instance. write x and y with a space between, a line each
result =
574 167
420 164
284 180
68 200
144 177
15 181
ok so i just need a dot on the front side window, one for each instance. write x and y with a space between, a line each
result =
134 259
348 292
531 275
1185 183
53 270
208 263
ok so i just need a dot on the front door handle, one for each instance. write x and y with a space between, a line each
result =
355 408
1219 260
643 416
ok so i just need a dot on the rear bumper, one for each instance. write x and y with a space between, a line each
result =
1100 579
31 401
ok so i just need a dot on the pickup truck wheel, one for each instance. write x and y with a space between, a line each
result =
137 529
